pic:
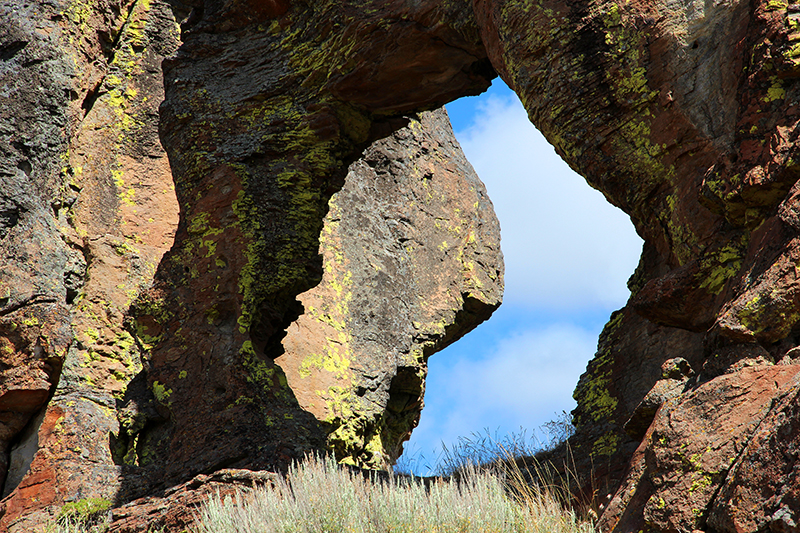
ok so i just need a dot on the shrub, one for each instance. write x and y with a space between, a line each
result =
483 448
82 516
319 496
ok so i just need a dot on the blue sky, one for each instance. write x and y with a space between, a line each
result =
568 254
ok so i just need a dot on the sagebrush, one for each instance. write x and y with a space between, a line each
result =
319 496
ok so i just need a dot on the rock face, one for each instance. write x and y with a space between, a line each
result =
685 117
256 152
104 370
88 210
412 219
245 346
699 443
412 261
176 509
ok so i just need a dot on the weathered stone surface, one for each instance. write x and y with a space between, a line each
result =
675 374
762 490
411 252
629 362
88 195
176 508
683 114
260 135
695 441
127 395
34 320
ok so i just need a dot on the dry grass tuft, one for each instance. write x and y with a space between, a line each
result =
319 496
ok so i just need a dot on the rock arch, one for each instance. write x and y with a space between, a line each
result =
683 115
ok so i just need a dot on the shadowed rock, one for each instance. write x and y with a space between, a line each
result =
126 395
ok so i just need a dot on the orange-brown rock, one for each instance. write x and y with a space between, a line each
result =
88 210
103 402
762 489
176 508
697 444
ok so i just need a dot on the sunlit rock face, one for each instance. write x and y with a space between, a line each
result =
88 209
411 262
214 133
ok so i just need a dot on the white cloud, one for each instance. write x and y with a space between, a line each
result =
523 382
565 246
568 253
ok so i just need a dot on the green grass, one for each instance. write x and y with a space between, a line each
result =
83 516
319 496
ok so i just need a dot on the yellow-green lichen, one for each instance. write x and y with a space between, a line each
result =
30 321
777 5
592 394
93 334
768 313
775 92
242 400
793 53
702 482
162 393
717 267
259 371
605 445
332 361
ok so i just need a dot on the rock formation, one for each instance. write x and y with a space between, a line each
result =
411 262
104 373
257 149
88 210
685 117
125 373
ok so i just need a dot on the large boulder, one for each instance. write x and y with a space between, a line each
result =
411 252
705 440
